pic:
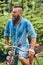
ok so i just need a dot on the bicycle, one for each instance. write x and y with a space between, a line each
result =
12 55
38 55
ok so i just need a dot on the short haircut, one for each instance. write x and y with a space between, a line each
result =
18 6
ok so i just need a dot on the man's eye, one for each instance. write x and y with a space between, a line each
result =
14 12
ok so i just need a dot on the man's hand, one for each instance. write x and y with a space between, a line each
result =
34 45
6 47
31 52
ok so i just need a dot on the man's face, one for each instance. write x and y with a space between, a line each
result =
15 14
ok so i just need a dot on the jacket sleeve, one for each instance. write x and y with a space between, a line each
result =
30 29
7 30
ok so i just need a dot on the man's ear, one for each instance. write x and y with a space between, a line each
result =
20 12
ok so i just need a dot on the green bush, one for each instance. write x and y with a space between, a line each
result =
35 16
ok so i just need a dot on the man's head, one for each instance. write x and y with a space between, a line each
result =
17 12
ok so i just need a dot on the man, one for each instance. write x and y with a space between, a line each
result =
18 28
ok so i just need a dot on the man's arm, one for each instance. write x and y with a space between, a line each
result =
33 41
6 40
6 35
33 44
31 32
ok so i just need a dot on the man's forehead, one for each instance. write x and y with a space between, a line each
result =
17 9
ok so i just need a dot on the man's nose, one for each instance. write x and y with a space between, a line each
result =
12 13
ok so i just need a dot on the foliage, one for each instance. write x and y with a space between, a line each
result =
32 10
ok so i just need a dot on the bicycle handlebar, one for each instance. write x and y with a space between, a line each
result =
18 48
35 45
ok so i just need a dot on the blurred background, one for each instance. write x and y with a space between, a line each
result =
32 10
